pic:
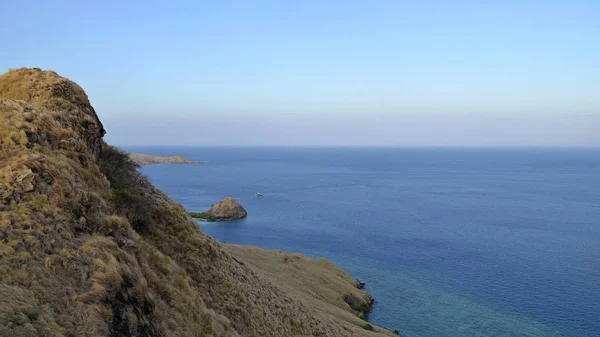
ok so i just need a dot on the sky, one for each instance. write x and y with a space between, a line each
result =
322 73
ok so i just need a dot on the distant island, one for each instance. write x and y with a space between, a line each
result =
143 159
226 209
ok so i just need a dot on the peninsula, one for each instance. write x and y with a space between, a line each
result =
143 159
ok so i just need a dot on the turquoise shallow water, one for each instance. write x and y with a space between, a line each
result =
451 242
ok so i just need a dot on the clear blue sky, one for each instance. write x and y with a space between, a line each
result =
322 72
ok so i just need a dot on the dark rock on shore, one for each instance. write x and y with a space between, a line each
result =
360 304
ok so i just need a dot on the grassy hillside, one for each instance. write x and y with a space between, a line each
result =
317 283
88 247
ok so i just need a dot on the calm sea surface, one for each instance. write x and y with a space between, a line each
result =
451 242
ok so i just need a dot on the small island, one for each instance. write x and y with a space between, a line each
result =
226 209
143 159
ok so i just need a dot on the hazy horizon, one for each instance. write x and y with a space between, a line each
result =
356 130
334 73
474 147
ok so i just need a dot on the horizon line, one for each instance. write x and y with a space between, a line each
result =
362 146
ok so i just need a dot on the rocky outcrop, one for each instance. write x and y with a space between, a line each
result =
60 98
361 304
226 209
143 159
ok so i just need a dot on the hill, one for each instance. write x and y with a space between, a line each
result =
88 247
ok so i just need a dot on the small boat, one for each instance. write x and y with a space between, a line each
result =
259 194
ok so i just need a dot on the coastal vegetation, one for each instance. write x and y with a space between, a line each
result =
206 217
127 198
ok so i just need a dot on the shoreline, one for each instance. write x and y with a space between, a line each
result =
352 296
335 292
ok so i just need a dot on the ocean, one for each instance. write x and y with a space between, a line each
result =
450 241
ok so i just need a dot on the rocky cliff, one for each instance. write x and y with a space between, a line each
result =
88 247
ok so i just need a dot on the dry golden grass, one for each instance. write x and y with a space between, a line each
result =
88 247
319 284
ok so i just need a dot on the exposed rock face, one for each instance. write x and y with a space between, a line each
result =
227 209
88 247
361 304
63 99
143 159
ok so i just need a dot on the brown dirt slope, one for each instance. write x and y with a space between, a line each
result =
88 247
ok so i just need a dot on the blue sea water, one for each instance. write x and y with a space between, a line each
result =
451 241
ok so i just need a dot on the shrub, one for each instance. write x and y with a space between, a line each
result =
396 332
368 327
127 186
33 313
180 281
206 217
203 216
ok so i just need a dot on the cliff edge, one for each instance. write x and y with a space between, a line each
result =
88 247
